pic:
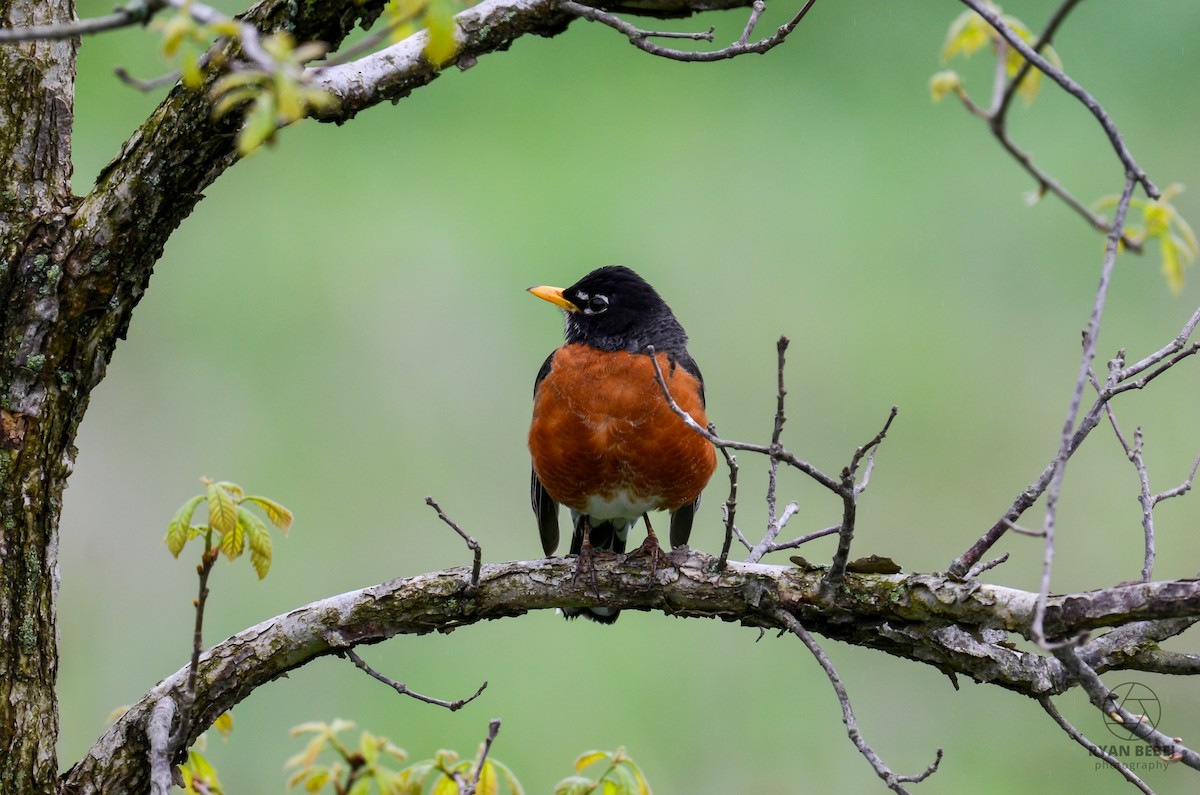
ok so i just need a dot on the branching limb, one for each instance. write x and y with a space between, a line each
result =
893 781
1095 750
641 38
472 544
404 689
1135 647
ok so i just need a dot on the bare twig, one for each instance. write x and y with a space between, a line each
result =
1090 336
1003 91
493 730
137 12
472 544
773 526
1095 750
188 697
980 568
640 38
1133 170
729 508
158 733
404 690
767 544
849 494
889 776
1103 700
782 454
804 539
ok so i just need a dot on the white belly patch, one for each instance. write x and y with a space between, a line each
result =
621 505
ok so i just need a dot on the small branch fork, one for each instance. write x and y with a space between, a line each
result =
847 487
641 38
894 782
472 544
1003 91
471 787
1095 750
404 690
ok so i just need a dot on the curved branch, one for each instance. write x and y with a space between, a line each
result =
919 617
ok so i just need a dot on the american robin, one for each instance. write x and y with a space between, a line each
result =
604 440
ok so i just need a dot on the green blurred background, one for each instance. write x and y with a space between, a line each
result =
342 324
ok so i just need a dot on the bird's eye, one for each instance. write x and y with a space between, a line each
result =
596 304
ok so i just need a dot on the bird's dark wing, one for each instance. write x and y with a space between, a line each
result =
544 507
546 511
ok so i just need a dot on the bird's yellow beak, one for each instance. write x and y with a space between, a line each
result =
555 296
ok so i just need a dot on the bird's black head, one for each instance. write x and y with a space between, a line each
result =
614 309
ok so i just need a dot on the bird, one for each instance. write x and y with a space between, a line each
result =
603 439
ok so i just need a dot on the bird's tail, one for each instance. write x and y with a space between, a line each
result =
607 536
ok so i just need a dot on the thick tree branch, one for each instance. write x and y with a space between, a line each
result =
960 628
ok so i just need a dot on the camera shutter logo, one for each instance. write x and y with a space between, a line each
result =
1137 699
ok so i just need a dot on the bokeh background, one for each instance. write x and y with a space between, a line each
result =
342 324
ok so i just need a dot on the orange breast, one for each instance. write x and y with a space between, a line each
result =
602 429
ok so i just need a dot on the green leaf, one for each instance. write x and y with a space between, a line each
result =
943 83
574 785
488 783
368 746
968 33
306 758
280 517
1171 266
222 510
513 784
319 777
445 786
177 530
439 22
259 125
590 758
259 538
622 780
643 784
224 724
233 543
360 787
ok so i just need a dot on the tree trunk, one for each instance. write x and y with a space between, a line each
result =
38 408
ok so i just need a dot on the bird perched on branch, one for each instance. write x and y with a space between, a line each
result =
605 441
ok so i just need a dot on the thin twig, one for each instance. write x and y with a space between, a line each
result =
1133 170
640 38
493 730
188 697
1095 750
767 544
1102 698
138 12
980 568
158 734
1043 41
404 690
472 544
1090 336
804 539
729 508
889 777
849 494
782 454
773 527
1146 500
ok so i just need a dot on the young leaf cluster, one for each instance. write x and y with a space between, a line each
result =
275 97
1162 222
366 768
198 774
231 527
185 39
620 776
970 33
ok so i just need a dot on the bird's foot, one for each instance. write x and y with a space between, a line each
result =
586 564
651 549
